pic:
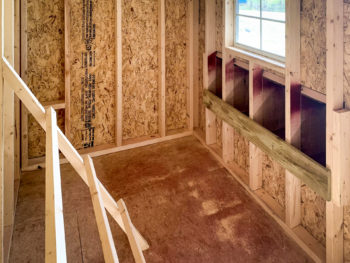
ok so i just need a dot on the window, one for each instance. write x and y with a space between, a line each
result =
260 26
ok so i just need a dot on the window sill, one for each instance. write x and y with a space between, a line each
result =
256 58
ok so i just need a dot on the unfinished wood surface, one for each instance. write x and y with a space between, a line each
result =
92 85
273 179
196 62
8 119
34 106
313 44
161 66
176 61
255 154
201 50
241 151
107 242
67 64
36 135
55 242
292 107
335 101
313 214
44 69
190 67
347 233
347 53
135 247
119 74
140 68
219 27
312 173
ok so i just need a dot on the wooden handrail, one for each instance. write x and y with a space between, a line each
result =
109 252
316 176
135 247
37 110
55 243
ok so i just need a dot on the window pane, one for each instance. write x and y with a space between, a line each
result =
248 31
248 7
273 37
274 9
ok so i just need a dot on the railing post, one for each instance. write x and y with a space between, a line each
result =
108 247
55 244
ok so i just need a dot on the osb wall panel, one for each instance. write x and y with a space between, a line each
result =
45 52
92 86
313 44
45 61
347 53
241 151
201 50
175 62
140 68
273 177
313 214
37 136
219 24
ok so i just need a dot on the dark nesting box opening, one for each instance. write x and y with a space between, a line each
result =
215 74
269 102
241 89
313 129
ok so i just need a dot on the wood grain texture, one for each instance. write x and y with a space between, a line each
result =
309 171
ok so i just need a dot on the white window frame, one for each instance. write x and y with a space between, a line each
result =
251 49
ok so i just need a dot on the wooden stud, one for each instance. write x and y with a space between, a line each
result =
334 86
255 155
8 126
23 74
341 159
190 62
161 64
135 247
292 107
227 90
67 65
2 257
210 48
108 247
195 21
17 63
119 73
55 244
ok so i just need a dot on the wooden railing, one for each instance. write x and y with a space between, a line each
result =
55 139
316 176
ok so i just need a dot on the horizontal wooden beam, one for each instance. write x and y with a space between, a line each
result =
56 105
309 171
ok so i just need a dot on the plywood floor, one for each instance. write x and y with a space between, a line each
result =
180 198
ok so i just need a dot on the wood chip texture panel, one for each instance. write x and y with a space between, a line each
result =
140 68
176 64
99 72
313 44
45 62
313 214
